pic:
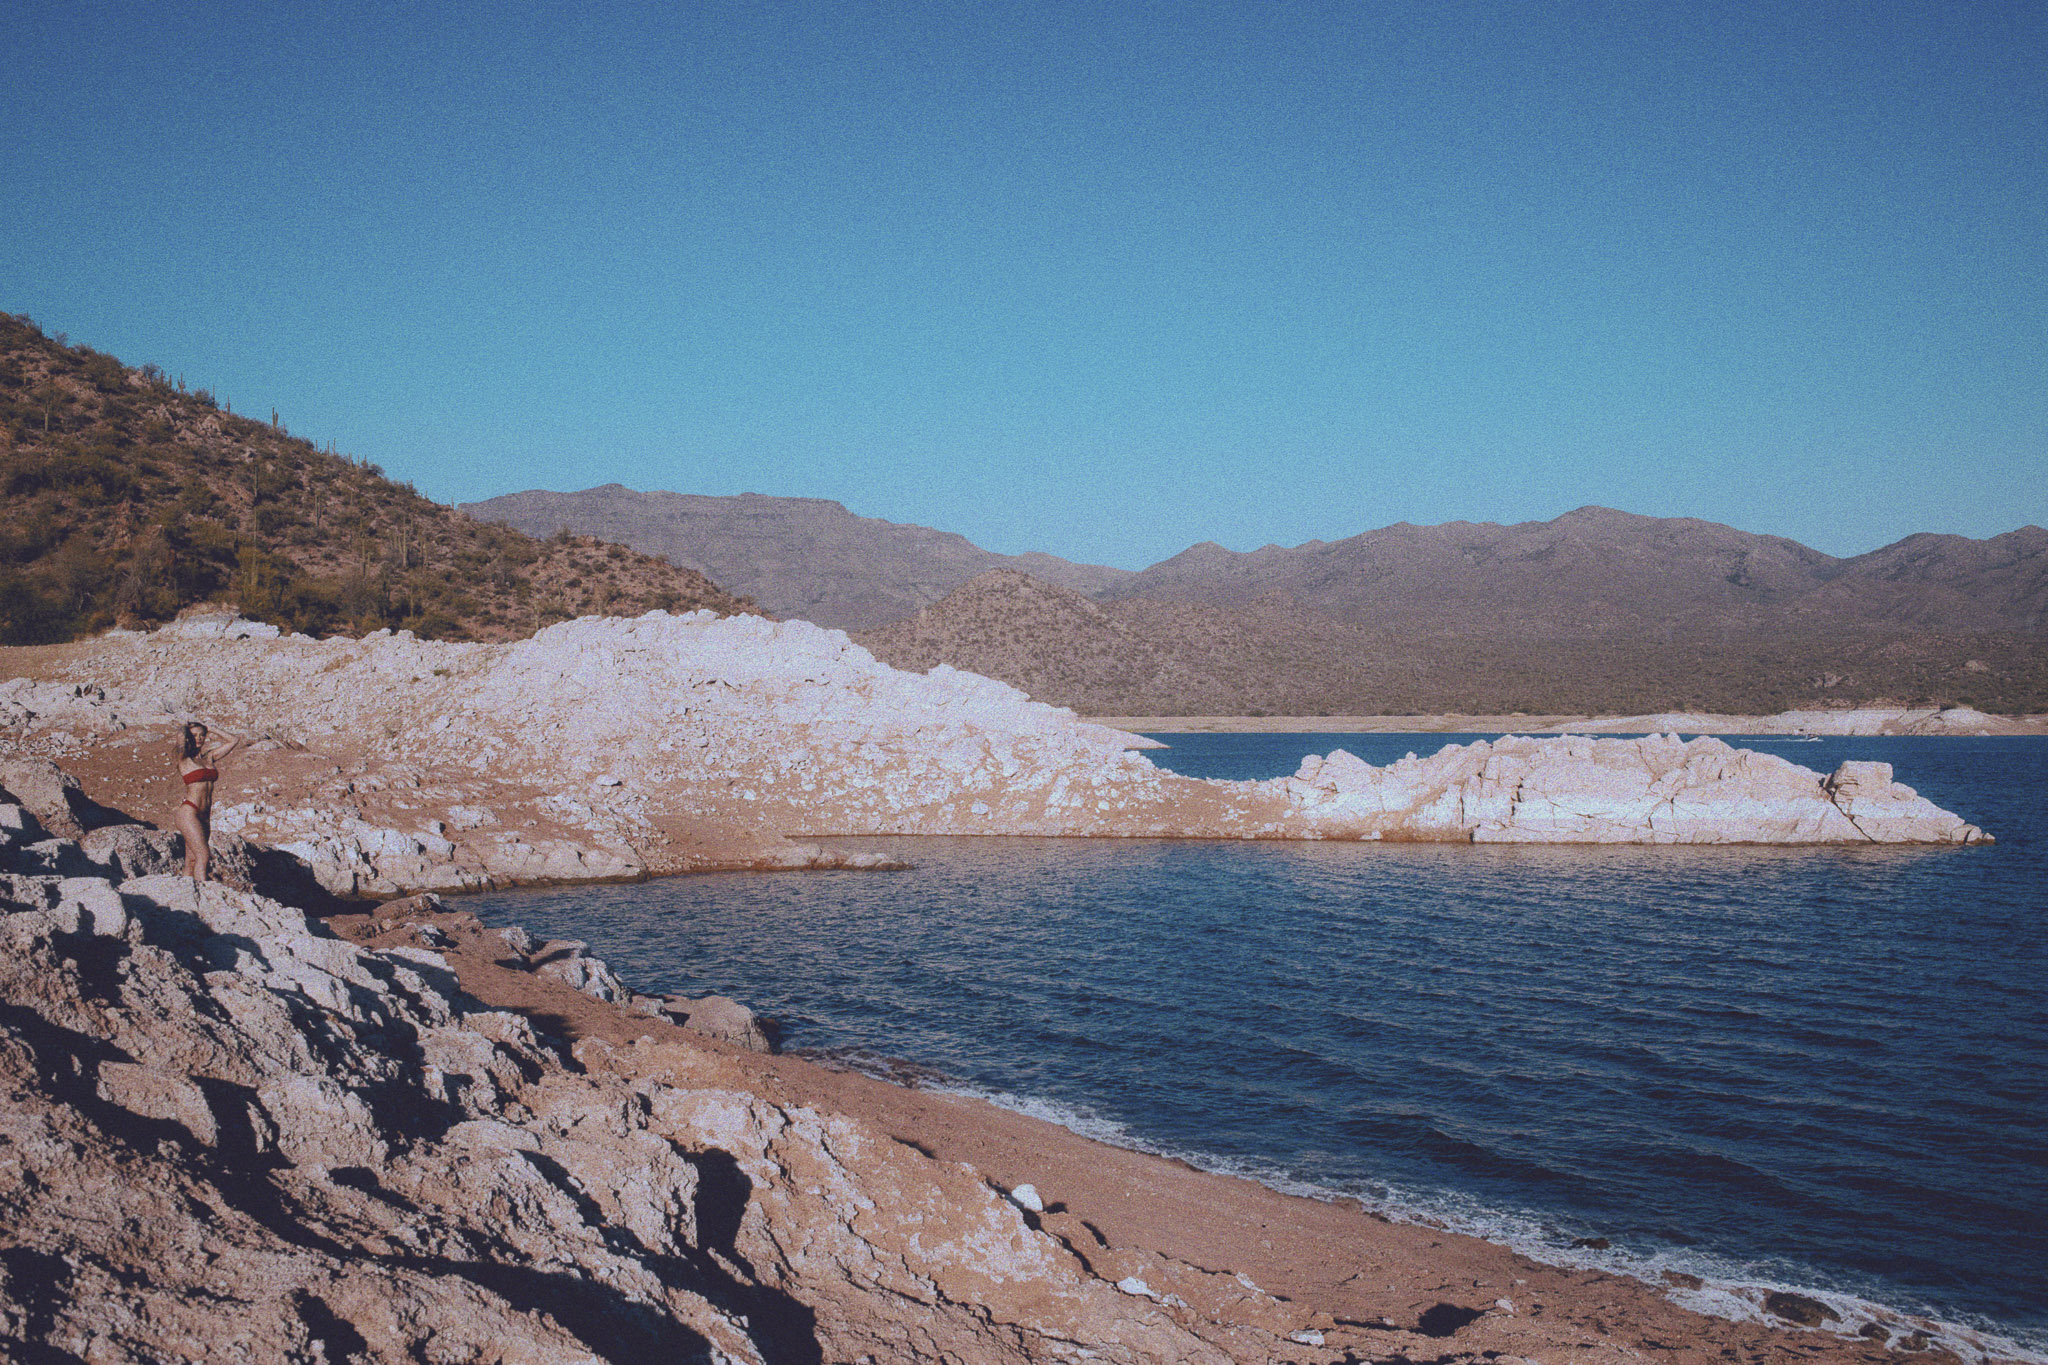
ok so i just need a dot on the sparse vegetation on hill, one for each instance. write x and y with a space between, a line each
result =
1142 656
127 498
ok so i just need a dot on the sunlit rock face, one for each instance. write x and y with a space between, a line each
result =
1657 789
608 748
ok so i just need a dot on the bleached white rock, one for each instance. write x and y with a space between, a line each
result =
222 1052
221 624
1658 789
587 974
592 749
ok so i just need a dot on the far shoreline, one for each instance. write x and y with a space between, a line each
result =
1518 723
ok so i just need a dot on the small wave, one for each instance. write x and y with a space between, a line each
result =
1726 1289
877 1066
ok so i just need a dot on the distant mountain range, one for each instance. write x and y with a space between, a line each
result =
127 499
807 558
1596 610
1597 572
1139 656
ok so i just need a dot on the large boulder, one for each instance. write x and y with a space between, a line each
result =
720 1017
55 797
135 851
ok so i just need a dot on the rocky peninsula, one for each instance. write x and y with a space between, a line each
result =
615 748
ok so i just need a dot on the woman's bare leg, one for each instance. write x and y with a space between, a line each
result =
197 854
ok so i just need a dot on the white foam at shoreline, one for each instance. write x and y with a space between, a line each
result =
1726 1292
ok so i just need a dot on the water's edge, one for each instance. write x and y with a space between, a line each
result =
1724 1289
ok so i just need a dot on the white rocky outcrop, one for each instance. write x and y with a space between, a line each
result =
25 702
1658 789
605 748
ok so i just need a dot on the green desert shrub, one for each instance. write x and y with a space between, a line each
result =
195 498
29 613
103 372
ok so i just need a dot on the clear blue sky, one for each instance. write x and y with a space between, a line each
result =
1098 279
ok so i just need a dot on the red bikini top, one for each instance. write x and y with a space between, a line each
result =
201 775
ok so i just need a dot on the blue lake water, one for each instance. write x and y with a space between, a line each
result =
1823 1068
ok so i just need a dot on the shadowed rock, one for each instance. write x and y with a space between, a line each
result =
54 797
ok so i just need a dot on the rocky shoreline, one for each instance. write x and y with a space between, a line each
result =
379 1131
605 749
233 1129
1952 721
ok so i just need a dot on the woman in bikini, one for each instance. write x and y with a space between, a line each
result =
197 757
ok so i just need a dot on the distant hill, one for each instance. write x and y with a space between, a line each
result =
1050 641
1270 656
1935 582
124 499
799 557
1597 573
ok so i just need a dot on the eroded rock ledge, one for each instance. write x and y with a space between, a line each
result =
617 748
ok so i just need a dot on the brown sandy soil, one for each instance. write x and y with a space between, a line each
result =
1239 1255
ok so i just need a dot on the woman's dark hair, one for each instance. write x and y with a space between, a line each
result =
189 747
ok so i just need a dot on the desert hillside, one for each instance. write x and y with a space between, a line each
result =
126 499
1272 656
807 558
